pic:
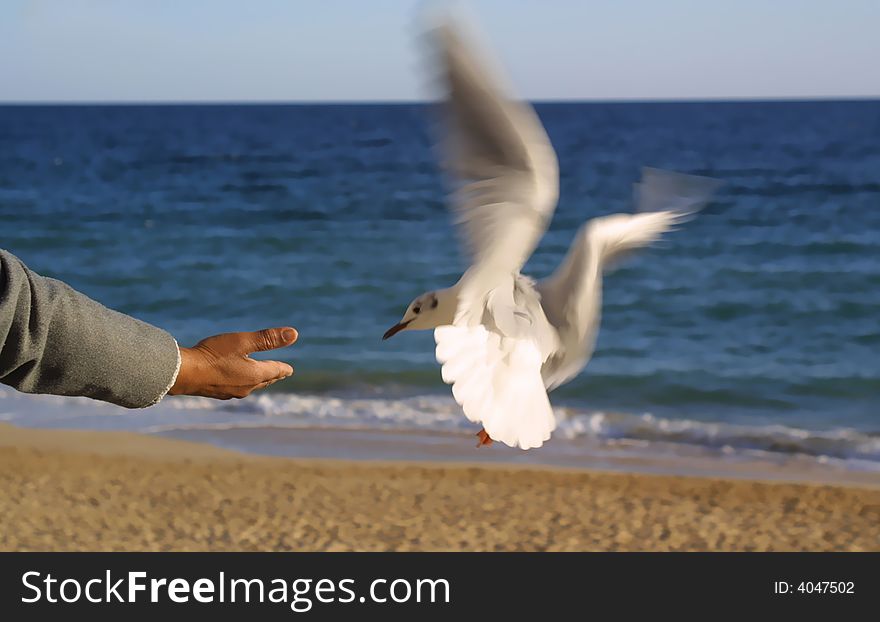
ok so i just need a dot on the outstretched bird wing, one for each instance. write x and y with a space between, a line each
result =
507 182
572 295
503 167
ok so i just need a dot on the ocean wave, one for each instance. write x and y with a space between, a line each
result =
683 390
442 414
436 413
841 443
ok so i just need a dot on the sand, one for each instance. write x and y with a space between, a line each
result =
74 490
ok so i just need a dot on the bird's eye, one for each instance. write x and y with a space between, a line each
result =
417 310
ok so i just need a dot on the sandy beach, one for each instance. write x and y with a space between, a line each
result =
79 490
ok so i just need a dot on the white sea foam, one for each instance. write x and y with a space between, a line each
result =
435 413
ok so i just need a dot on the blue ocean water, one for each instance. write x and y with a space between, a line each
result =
756 325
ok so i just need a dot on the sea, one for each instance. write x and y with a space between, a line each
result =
749 335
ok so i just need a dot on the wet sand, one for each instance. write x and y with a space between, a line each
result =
78 490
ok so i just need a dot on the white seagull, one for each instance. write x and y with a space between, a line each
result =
504 340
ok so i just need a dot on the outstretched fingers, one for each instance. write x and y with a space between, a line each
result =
220 366
267 371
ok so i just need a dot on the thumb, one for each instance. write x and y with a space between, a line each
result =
269 339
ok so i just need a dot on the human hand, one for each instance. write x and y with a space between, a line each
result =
220 367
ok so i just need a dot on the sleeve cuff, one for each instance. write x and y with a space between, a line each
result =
173 378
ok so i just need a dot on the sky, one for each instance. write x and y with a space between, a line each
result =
368 50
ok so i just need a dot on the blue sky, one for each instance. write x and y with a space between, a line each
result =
295 50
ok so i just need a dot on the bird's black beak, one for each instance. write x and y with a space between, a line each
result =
394 330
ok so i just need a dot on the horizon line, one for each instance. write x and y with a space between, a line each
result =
404 102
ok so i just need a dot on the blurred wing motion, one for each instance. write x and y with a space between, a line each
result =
504 168
572 296
507 182
682 194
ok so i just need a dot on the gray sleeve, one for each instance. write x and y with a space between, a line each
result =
55 340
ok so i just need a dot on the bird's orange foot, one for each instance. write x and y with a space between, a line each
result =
484 441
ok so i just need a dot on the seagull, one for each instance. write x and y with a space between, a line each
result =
503 339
